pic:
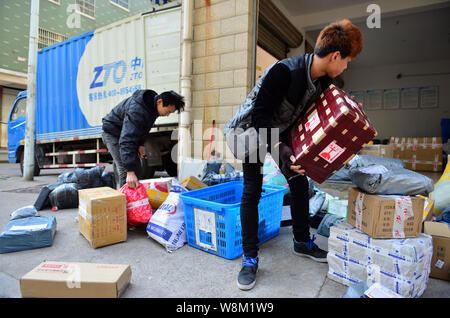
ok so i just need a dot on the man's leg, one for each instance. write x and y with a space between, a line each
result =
112 143
303 244
249 223
249 207
300 207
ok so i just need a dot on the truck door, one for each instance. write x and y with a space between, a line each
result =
16 128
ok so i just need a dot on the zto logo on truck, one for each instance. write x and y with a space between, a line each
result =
117 71
105 79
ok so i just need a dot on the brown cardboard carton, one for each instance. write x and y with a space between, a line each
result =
419 154
75 280
102 216
193 183
440 263
385 216
378 150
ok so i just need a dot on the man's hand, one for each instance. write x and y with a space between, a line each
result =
132 180
286 160
141 152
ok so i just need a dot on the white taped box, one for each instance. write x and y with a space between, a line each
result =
402 265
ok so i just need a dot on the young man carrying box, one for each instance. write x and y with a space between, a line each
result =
282 94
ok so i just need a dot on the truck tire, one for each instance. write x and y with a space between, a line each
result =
147 172
170 166
37 170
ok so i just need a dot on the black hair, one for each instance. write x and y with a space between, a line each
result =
172 98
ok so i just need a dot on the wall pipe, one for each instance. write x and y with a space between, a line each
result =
184 126
254 40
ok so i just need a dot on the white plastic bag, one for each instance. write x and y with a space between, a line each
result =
167 225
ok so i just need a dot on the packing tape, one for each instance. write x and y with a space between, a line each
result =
403 211
359 209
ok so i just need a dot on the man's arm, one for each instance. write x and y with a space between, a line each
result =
271 93
129 145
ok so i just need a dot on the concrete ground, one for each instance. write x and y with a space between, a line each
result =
185 273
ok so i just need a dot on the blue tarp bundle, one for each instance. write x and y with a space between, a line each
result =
27 233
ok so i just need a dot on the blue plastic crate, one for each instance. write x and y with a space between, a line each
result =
213 222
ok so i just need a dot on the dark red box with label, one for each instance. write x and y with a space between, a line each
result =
329 134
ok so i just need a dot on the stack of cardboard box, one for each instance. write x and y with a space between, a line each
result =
419 154
382 242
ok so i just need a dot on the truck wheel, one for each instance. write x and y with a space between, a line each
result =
170 166
37 170
147 171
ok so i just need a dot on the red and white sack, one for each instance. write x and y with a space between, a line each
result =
167 225
139 209
160 184
167 185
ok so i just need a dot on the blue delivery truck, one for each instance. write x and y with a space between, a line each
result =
81 79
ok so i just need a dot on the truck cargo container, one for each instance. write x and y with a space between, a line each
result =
81 79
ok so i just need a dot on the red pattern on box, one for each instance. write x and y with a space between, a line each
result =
329 134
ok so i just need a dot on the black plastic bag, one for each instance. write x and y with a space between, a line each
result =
85 178
89 178
43 200
108 179
211 168
65 196
67 177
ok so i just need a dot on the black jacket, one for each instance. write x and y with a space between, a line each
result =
287 79
130 121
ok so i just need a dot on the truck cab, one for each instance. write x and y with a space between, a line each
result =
16 131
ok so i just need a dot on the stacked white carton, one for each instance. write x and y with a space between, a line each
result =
402 265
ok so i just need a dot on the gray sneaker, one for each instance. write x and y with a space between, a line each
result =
247 276
311 250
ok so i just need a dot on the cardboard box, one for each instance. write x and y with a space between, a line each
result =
75 280
419 154
440 263
403 265
156 198
382 216
192 183
378 150
102 216
329 134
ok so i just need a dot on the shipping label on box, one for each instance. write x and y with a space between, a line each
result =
102 216
329 134
440 264
383 216
419 154
52 279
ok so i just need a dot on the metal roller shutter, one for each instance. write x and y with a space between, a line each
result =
271 43
275 33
